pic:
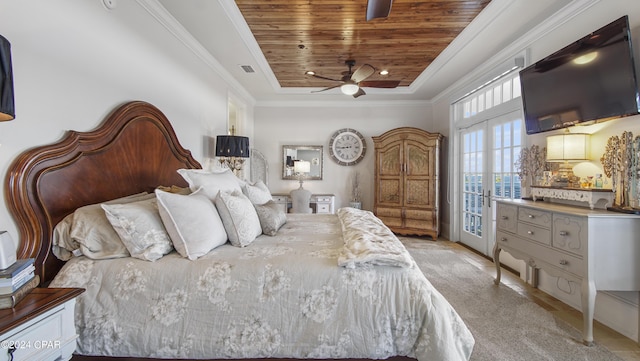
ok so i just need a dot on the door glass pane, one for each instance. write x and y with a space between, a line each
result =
472 189
506 183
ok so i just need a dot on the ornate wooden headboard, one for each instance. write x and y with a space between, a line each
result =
134 150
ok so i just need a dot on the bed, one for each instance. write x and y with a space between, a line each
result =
315 287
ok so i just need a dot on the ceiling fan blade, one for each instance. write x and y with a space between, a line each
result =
324 77
363 73
378 9
329 88
380 83
359 93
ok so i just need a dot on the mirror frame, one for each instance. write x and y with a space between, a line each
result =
302 147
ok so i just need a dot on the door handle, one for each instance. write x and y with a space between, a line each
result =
488 196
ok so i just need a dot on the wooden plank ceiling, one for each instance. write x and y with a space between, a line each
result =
296 36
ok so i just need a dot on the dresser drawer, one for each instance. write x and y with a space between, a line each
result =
323 208
389 212
279 199
534 233
570 234
507 217
560 261
534 216
42 340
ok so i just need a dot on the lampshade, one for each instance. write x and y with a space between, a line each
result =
232 146
301 166
349 88
568 147
7 108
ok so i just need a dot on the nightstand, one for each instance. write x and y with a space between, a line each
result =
319 203
41 326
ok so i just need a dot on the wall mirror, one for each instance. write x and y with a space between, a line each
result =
308 153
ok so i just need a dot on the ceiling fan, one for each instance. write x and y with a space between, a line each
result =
378 9
352 82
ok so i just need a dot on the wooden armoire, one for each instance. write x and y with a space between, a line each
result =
407 185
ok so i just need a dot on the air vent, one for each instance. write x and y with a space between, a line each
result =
247 68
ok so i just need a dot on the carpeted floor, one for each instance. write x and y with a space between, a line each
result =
506 325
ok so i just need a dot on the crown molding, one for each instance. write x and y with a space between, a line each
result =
342 103
160 13
516 48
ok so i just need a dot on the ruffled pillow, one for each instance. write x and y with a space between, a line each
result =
88 232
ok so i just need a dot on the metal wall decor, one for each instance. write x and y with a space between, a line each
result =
620 163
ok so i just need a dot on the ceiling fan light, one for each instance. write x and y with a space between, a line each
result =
349 88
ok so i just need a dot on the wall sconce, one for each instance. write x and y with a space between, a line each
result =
231 151
301 168
565 148
7 107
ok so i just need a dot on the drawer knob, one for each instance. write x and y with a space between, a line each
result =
505 218
503 239
564 233
531 216
530 233
564 262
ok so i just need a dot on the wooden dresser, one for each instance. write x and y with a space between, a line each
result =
597 249
407 163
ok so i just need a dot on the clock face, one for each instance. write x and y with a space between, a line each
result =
347 146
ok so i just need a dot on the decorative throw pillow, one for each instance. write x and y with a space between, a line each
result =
211 182
239 217
192 221
140 228
271 216
258 193
91 229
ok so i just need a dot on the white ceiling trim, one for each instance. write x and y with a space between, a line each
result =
234 14
160 13
516 48
342 104
482 20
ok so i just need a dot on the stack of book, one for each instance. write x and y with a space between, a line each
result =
17 281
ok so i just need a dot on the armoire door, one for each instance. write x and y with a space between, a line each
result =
390 184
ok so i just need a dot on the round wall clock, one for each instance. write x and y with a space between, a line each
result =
347 146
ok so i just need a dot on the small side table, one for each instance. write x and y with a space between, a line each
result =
41 326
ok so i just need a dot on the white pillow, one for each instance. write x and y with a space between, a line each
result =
140 228
210 182
239 218
192 221
271 216
258 193
92 231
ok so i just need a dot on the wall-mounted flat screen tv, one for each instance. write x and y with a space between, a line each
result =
590 80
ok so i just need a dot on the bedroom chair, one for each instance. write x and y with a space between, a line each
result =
300 201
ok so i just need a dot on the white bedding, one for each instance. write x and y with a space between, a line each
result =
282 296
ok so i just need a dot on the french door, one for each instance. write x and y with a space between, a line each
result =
489 150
